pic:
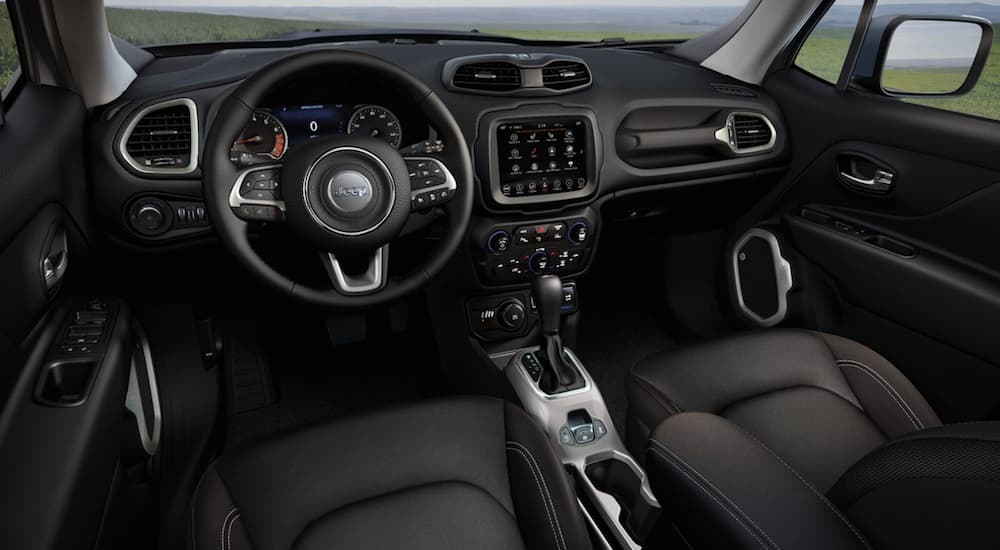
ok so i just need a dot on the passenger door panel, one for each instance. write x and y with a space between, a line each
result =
917 268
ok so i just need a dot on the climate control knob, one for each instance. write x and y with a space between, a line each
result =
499 242
539 262
578 233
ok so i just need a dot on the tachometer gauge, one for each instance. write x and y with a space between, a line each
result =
377 122
263 136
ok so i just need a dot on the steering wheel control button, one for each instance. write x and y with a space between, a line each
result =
349 191
258 213
499 242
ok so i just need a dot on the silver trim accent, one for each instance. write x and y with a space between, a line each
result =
192 164
133 400
782 275
551 411
449 180
373 278
727 134
385 169
236 200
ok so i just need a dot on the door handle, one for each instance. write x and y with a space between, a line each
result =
865 174
55 258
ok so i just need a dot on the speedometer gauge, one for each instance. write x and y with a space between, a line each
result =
263 136
377 122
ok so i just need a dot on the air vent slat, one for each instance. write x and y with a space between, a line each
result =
749 131
163 138
564 75
495 77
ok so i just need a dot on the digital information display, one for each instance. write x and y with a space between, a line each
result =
307 122
543 156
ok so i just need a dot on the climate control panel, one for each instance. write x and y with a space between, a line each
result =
516 252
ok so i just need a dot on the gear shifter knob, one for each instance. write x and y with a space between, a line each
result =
547 290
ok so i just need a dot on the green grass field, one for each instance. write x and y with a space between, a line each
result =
821 55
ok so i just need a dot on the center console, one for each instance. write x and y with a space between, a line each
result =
613 489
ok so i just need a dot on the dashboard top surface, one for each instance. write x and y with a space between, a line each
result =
633 92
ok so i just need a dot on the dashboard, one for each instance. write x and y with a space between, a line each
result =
620 124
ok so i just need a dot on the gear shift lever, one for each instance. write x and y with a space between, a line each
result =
559 376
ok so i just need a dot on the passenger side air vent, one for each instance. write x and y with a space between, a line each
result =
747 133
162 138
489 77
527 74
564 75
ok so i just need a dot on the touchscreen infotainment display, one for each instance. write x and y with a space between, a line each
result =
542 156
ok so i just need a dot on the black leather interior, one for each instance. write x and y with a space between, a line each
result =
818 400
795 439
721 477
461 473
937 488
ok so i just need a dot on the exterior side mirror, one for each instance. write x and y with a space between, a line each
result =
923 56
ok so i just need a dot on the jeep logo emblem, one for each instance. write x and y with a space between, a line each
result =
349 191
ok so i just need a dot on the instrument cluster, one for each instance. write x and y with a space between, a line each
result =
272 131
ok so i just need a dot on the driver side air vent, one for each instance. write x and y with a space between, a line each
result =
748 133
563 75
162 138
488 77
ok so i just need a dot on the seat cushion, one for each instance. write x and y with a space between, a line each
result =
818 400
461 473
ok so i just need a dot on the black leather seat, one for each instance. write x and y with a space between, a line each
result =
794 439
455 474
818 400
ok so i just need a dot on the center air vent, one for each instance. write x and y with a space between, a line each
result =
747 133
564 75
529 74
162 138
488 77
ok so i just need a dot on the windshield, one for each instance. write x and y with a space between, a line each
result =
151 22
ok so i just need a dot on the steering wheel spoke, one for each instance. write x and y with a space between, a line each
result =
256 194
431 183
371 280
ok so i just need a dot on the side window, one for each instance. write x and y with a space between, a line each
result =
9 60
825 50
823 53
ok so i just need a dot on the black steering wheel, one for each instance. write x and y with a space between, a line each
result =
342 194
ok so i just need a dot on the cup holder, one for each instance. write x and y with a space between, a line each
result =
624 482
66 383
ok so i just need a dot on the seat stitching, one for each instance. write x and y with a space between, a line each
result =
533 466
702 486
222 533
539 485
707 481
555 514
881 381
229 532
808 485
